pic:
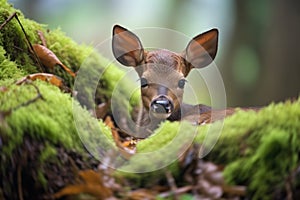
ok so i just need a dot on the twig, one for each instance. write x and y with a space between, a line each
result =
178 191
5 113
26 37
29 43
289 183
288 188
172 184
38 96
235 190
8 20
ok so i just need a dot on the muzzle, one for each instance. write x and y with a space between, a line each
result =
161 107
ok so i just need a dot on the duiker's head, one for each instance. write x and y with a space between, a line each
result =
162 73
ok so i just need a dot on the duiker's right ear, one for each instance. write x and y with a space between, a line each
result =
202 49
127 47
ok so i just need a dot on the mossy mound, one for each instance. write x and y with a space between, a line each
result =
264 149
15 48
45 125
258 149
36 137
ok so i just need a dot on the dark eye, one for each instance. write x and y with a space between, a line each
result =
181 83
144 82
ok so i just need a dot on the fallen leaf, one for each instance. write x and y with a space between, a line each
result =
102 109
49 59
92 184
50 78
126 148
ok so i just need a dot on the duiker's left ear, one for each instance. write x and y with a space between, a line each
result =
202 49
127 47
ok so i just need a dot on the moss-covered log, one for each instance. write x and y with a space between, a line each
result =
258 149
37 137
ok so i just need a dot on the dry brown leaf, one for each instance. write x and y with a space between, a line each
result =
235 190
92 184
49 59
126 148
54 80
102 109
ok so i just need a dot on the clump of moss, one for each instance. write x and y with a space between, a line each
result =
8 69
261 149
158 154
38 119
258 149
13 41
49 119
48 122
16 49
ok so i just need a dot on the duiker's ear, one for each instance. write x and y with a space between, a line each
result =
127 47
202 49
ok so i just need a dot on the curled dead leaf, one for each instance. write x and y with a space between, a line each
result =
50 78
49 59
92 184
126 148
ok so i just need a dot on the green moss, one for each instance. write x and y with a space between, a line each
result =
16 50
46 120
41 178
92 65
259 149
12 38
48 153
50 124
158 153
8 69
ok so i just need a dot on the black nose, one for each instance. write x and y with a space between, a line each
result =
162 105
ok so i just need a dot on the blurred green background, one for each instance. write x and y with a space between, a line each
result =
258 56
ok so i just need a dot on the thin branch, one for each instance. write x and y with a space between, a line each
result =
29 43
179 191
289 183
26 37
6 113
172 185
27 103
8 20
